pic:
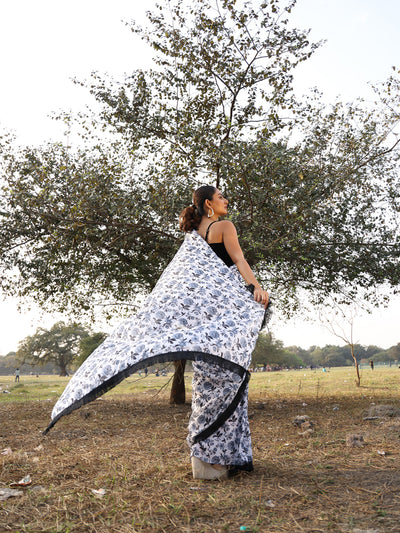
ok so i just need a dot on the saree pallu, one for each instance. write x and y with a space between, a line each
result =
200 310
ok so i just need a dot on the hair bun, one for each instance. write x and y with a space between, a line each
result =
190 217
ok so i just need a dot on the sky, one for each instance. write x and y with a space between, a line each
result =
46 43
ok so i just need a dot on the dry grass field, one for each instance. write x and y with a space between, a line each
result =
131 444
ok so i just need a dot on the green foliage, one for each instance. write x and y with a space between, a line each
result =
269 351
88 344
336 356
60 344
78 230
394 352
391 354
380 357
371 351
9 363
313 189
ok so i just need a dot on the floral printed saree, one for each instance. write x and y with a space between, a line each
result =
199 310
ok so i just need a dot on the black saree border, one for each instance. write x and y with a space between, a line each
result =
223 417
160 358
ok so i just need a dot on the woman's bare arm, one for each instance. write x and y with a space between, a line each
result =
231 241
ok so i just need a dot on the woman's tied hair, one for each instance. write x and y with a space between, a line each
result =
190 217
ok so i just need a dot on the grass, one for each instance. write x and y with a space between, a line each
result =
132 443
292 384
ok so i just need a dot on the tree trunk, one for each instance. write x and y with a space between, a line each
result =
358 380
178 395
63 367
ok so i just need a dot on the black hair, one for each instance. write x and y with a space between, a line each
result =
190 217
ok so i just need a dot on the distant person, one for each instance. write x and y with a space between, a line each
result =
17 375
371 364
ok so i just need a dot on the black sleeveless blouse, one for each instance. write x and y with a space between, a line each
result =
219 248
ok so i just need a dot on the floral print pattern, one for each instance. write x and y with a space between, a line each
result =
213 390
199 309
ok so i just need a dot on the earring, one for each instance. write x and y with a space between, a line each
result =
211 214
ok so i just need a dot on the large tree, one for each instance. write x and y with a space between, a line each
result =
59 344
313 189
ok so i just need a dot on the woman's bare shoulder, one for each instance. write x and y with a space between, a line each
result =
227 225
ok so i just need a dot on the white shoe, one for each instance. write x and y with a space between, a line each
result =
202 470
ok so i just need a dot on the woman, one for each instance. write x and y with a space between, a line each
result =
200 310
228 449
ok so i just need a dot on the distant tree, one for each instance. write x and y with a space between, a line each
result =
339 320
391 354
291 360
337 356
60 344
271 351
8 364
371 351
301 353
358 350
394 352
381 357
267 350
88 344
315 356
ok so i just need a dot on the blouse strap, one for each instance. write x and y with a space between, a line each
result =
208 229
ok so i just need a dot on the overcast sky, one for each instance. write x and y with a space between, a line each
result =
45 43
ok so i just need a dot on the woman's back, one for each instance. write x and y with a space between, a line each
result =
218 246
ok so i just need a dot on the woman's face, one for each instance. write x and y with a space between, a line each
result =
219 204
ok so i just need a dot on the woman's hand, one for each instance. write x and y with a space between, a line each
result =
261 296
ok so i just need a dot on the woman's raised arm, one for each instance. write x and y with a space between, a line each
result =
231 241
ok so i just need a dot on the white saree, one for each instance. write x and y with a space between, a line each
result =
201 310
